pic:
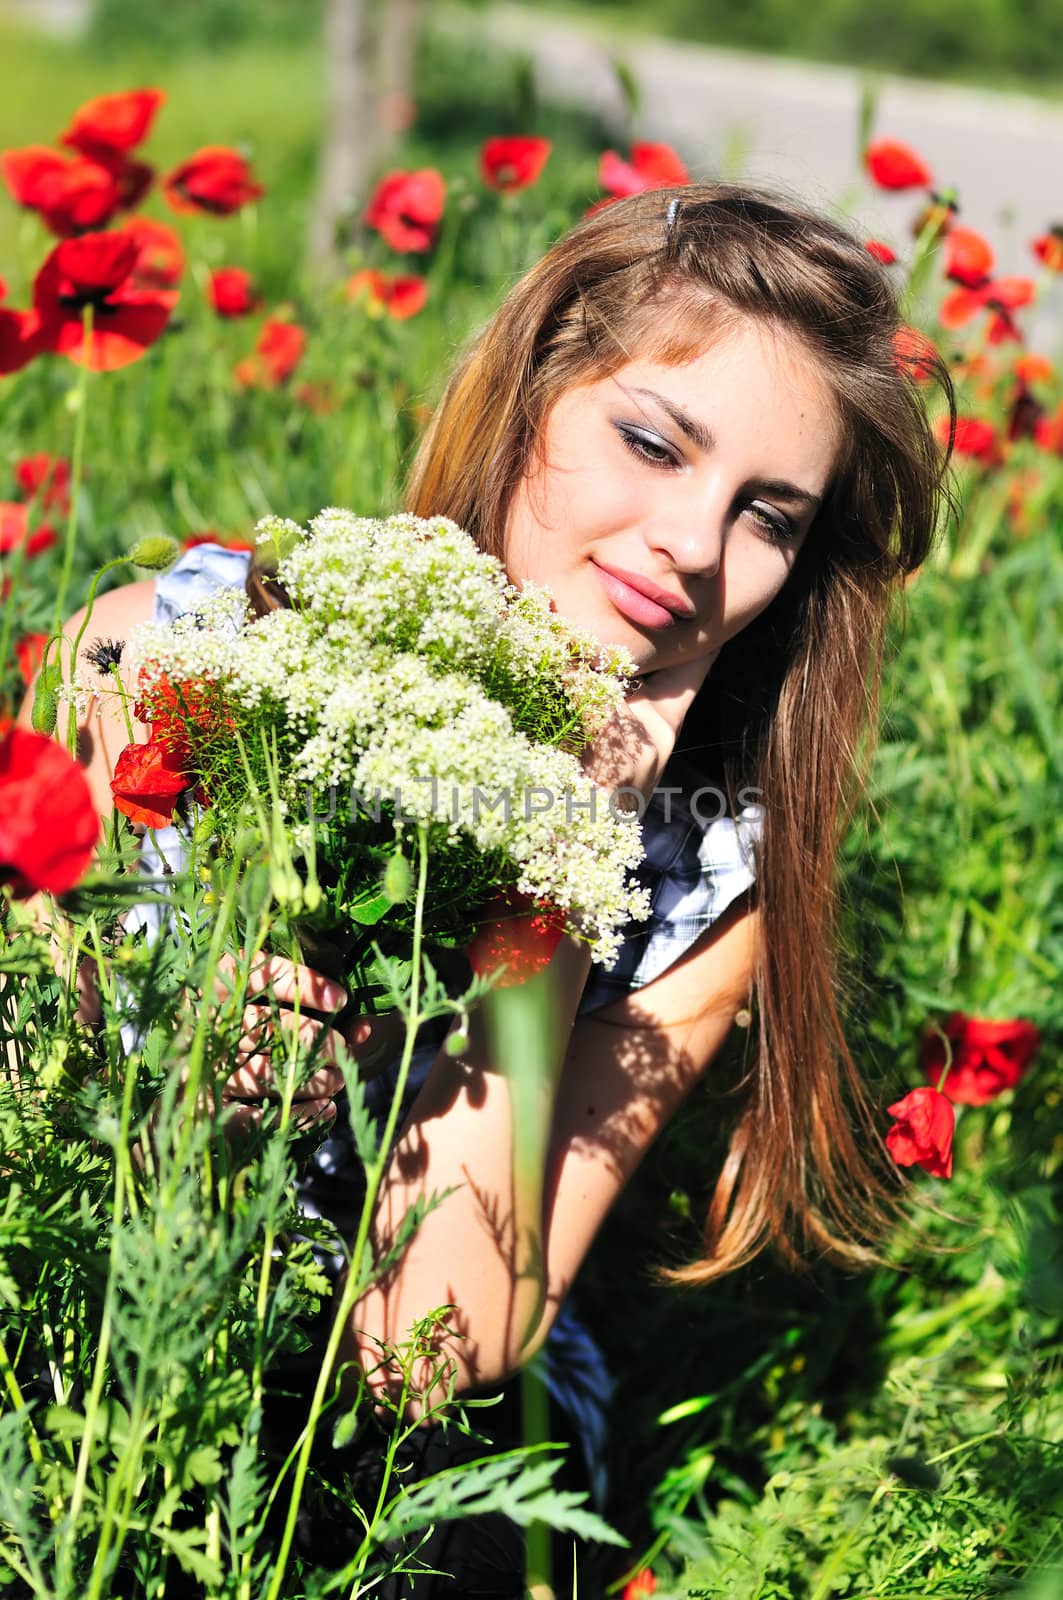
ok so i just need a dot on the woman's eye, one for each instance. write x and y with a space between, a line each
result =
774 523
646 446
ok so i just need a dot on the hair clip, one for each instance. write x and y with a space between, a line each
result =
672 212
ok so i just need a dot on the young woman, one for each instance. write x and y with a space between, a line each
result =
691 422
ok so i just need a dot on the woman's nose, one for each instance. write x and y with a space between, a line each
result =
691 530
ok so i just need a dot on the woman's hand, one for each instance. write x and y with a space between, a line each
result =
283 985
631 751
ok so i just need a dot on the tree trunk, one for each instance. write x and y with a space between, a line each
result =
369 46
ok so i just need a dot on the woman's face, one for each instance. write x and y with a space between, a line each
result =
669 503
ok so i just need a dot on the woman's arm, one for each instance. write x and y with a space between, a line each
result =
102 732
625 1071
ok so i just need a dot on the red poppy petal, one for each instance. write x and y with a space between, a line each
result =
27 171
114 121
893 165
516 934
659 163
96 263
48 823
120 336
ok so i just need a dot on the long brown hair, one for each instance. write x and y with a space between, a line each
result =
790 701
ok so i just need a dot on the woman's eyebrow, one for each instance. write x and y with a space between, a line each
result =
782 489
696 431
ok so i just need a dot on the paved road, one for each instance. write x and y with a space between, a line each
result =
792 124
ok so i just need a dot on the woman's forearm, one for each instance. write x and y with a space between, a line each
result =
480 1251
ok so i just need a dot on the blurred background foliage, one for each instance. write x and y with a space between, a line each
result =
981 41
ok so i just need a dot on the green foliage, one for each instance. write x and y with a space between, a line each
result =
193 26
979 40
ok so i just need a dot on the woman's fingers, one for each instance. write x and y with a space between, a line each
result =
375 1041
261 1054
286 981
242 1118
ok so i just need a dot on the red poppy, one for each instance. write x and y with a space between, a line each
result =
1048 247
973 437
212 536
94 270
407 208
216 179
893 165
1022 488
278 351
148 781
642 1583
987 1057
160 261
232 292
395 297
514 161
20 339
1000 297
1049 432
968 258
320 398
922 1133
15 530
518 934
113 122
71 196
1033 368
48 823
45 476
1025 414
28 652
652 166
881 251
915 354
28 171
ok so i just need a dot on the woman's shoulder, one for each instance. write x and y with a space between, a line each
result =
700 846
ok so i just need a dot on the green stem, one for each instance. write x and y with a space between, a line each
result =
82 395
832 1566
7 1372
66 1553
31 1575
354 1287
203 1029
535 1426
72 727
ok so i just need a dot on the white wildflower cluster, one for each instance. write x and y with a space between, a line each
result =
398 673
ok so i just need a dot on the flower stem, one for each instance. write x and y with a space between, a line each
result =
354 1286
81 394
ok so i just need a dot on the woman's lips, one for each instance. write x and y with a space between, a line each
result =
633 605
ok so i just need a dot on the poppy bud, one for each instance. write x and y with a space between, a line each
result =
456 1043
397 879
156 552
45 709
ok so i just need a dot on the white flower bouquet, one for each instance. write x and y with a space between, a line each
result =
407 684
